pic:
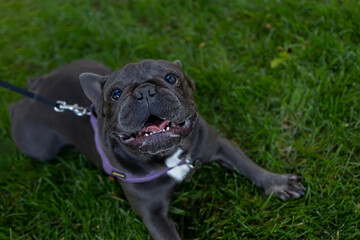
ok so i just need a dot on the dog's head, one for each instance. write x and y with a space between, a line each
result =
147 106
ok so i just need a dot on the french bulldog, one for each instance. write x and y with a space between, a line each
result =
144 130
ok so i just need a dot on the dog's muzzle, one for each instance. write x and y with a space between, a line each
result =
157 135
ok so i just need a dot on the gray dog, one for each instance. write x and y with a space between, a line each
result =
144 130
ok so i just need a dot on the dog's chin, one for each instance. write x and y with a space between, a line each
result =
157 138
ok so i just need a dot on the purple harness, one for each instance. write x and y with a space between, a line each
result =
114 172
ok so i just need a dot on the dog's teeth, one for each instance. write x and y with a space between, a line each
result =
146 134
173 124
167 129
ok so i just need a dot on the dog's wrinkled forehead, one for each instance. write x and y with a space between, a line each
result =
143 71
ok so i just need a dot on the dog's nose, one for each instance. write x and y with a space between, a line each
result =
144 91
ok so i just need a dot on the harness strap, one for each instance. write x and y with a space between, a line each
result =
114 172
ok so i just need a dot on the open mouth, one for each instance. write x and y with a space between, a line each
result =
156 128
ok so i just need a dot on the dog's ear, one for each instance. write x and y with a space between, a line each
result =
190 83
92 84
178 62
189 80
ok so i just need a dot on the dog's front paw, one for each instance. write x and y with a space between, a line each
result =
285 186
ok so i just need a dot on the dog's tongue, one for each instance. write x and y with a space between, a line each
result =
155 128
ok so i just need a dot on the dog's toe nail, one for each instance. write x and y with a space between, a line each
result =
283 196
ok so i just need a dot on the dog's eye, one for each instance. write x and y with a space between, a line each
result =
115 94
171 78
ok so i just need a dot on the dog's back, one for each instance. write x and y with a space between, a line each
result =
36 127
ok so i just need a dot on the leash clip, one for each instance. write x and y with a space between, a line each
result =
61 106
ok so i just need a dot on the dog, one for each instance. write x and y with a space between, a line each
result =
144 130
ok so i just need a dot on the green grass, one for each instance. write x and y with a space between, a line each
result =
280 78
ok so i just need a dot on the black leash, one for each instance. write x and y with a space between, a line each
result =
58 106
27 93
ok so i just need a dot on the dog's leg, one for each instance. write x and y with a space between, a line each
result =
30 132
285 186
151 201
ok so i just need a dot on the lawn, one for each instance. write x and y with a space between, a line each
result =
279 78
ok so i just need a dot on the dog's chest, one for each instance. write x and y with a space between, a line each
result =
178 172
